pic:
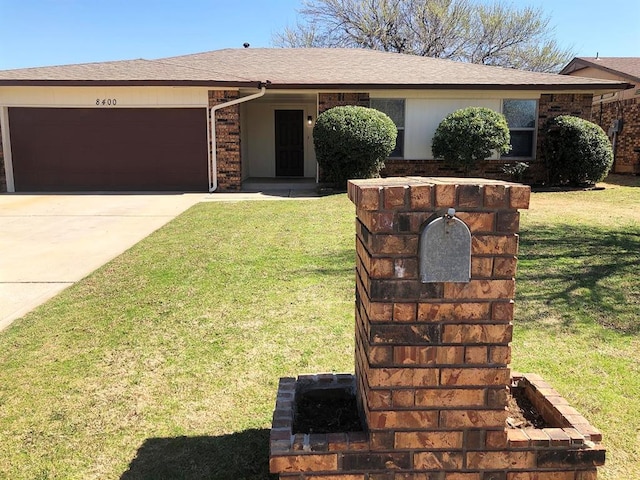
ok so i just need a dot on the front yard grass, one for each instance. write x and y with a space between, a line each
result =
164 363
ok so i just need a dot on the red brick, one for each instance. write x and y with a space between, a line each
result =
566 475
537 437
449 355
403 377
480 333
474 376
472 418
405 355
369 198
517 438
558 437
504 267
494 244
519 196
450 397
478 221
495 196
445 195
428 440
501 460
502 311
508 221
462 476
303 463
341 476
380 311
380 355
475 355
379 399
403 419
496 439
381 268
500 355
380 222
480 289
337 442
481 267
405 268
403 398
469 196
438 460
452 312
394 197
404 312
420 196
381 440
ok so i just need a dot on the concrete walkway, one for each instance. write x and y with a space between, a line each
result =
48 242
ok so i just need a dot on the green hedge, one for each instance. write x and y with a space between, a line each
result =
469 135
352 142
577 152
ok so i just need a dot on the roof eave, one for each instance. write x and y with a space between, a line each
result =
586 87
128 83
580 64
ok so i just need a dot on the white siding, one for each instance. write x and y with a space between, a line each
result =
86 97
422 117
258 138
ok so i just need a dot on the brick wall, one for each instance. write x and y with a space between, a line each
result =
550 105
626 159
227 127
432 359
330 100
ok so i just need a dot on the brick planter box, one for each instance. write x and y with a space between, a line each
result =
432 359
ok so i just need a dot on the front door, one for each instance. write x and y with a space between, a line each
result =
289 143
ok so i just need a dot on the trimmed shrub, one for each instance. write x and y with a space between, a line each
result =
469 135
352 142
577 152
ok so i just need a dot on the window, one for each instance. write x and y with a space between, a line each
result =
394 108
521 117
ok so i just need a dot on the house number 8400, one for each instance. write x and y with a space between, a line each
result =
107 102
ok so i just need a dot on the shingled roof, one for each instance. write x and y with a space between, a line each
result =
626 67
302 68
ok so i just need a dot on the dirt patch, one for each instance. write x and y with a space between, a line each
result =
522 413
331 410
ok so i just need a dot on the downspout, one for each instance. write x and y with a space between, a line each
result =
213 166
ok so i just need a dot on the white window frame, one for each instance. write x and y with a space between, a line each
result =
534 129
404 119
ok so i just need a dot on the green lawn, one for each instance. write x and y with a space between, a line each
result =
165 362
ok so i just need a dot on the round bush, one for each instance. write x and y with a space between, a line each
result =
470 135
576 151
352 142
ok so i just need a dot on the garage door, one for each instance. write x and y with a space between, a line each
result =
81 149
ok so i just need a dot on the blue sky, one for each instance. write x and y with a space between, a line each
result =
54 32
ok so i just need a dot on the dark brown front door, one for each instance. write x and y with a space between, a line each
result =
81 149
289 143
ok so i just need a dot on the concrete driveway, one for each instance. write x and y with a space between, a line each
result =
48 242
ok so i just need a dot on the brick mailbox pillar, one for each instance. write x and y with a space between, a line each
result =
432 373
432 358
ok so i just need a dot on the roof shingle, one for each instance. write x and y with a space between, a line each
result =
302 68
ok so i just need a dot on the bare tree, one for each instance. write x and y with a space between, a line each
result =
497 34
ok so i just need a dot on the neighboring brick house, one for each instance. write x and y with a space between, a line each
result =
618 113
147 124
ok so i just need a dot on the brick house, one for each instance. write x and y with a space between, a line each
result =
618 113
146 124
